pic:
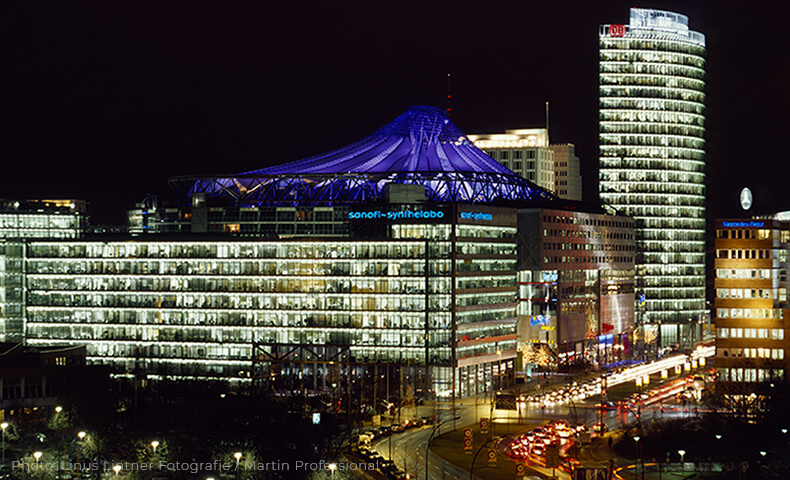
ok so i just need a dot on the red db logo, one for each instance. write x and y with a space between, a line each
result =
616 30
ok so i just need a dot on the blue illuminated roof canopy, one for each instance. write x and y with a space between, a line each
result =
421 147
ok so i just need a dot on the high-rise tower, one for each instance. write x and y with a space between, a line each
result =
652 162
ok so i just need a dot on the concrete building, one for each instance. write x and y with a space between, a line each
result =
652 160
567 171
524 151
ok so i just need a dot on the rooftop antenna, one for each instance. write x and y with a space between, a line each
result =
449 96
547 123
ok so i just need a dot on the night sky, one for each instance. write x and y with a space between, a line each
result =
106 100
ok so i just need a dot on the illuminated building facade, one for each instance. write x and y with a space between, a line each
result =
652 161
524 151
398 252
576 285
751 305
23 219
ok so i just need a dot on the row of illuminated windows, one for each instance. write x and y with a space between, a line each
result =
664 93
518 154
682 264
588 259
652 80
631 139
682 288
625 203
644 120
764 333
667 251
384 302
612 222
488 315
210 284
749 293
260 319
551 232
651 105
487 248
228 250
664 129
652 224
195 338
649 164
481 231
689 306
746 273
486 348
485 298
615 174
38 221
416 231
652 69
480 265
749 313
463 283
237 267
587 247
728 374
641 40
669 153
618 53
487 331
747 233
772 353
747 254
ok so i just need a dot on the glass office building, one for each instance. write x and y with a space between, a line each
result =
652 161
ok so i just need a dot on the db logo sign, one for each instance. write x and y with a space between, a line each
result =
467 444
520 469
492 456
616 30
467 433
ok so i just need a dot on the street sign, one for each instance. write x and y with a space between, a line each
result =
484 425
468 445
467 433
491 457
521 470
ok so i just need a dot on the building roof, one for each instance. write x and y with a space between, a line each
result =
421 146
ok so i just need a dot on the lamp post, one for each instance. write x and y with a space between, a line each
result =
472 467
4 425
332 468
682 453
428 445
81 437
155 444
117 469
37 456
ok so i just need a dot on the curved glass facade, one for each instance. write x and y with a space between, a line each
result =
652 158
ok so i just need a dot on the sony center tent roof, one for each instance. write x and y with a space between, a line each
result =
421 146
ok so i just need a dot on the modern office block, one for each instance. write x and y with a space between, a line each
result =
652 161
751 306
576 285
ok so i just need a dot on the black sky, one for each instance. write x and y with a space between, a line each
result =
106 100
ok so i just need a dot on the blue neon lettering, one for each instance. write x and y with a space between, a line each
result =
742 224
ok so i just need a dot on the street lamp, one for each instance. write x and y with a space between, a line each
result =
155 444
58 409
428 445
237 456
639 456
332 468
4 425
37 455
117 469
81 436
681 453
